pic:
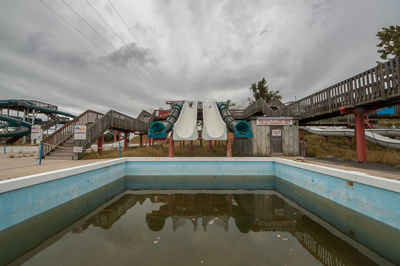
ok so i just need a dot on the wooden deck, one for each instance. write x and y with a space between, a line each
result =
372 89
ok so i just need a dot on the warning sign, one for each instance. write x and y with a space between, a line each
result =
276 133
36 132
78 149
80 132
273 122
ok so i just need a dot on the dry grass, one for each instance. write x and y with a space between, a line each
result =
161 150
338 147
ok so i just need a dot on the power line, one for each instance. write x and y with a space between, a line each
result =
72 25
137 41
91 41
126 45
89 25
106 40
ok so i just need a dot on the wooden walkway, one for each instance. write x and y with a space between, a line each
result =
372 89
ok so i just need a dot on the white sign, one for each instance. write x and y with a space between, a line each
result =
276 133
36 132
274 122
77 149
80 132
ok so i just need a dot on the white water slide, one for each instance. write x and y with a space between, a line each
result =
370 135
185 127
214 127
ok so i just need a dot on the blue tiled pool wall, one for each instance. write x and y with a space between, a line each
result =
49 223
19 205
377 236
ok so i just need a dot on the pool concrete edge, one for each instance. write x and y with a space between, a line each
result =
354 176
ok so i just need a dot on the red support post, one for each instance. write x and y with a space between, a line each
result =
183 143
171 148
325 139
215 143
115 136
125 140
141 140
210 145
229 147
360 136
191 145
100 142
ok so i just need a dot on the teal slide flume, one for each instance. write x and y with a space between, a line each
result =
15 122
240 128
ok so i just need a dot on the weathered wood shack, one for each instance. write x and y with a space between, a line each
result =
275 132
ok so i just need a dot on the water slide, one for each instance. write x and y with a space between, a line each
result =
214 127
159 129
370 135
240 128
186 126
15 122
26 104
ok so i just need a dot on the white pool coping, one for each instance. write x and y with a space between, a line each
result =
355 176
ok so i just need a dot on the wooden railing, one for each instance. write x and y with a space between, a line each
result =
112 119
62 134
376 87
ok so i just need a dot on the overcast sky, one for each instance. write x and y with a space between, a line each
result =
204 49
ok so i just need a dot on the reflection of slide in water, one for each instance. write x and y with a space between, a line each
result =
370 135
186 126
214 127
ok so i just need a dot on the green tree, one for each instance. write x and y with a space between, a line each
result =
389 41
261 90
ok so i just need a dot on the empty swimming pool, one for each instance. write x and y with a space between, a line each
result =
222 217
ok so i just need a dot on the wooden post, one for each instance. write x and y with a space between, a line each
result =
325 139
360 136
171 148
229 147
146 140
191 145
210 145
348 141
125 140
100 142
141 140
115 136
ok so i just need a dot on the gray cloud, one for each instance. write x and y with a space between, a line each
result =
205 49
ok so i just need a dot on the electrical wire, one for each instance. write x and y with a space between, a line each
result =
138 43
111 45
124 42
72 25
